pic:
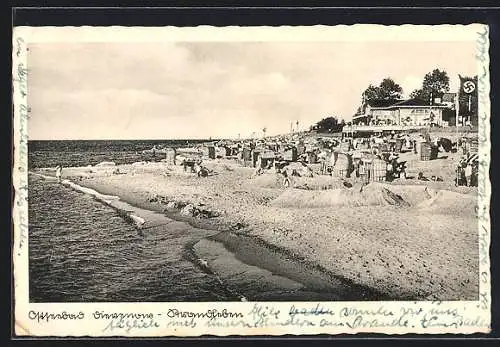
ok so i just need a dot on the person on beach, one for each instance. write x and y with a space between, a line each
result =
200 170
59 173
286 179
258 171
421 177
322 157
460 173
174 154
258 167
468 174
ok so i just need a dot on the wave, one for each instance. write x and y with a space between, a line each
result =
107 199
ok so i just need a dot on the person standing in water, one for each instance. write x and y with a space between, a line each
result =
59 172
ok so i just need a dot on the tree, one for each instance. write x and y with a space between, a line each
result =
387 90
371 92
330 125
435 83
417 94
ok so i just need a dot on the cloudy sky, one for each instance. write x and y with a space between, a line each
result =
216 89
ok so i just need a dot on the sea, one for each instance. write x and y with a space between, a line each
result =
90 152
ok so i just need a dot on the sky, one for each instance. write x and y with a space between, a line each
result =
173 90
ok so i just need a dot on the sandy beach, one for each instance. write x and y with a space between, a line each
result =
407 239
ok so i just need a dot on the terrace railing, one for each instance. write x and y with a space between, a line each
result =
378 128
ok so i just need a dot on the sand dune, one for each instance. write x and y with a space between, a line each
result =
447 202
358 195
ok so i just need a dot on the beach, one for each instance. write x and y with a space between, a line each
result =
404 240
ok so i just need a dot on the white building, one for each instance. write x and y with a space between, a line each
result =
412 112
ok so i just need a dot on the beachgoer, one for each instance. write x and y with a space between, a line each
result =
389 171
203 172
286 179
461 180
408 142
475 171
59 172
468 174
402 169
322 160
361 169
350 165
258 171
421 177
295 173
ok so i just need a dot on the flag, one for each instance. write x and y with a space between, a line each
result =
468 85
467 98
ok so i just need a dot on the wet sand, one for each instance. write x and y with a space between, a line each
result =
266 273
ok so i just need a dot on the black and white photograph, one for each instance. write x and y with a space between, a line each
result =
242 171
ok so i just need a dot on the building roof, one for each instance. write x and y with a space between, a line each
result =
381 102
388 104
411 102
359 116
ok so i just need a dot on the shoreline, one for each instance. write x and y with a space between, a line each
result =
265 215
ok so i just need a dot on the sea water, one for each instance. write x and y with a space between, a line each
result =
91 152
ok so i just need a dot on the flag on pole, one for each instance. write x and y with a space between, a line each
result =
467 97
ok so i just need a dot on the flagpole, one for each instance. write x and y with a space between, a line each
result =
457 102
457 109
470 107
